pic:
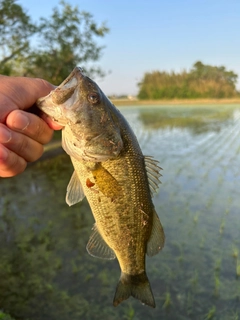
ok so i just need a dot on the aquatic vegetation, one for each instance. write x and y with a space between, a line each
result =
222 226
129 314
238 267
211 313
234 316
217 284
167 300
195 280
198 120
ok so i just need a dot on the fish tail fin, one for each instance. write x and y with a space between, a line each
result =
137 286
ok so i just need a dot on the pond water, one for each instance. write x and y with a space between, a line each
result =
45 271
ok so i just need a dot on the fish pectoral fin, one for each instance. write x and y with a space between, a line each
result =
97 247
153 173
106 183
157 237
75 192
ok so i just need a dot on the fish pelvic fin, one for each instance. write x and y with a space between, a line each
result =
97 247
137 286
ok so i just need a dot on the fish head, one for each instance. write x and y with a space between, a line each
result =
91 131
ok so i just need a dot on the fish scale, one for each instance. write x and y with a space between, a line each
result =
118 181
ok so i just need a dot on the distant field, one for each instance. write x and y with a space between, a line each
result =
128 102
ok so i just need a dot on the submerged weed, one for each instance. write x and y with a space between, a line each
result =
222 226
235 316
190 301
129 313
217 283
237 267
168 300
211 313
195 280
202 243
235 252
195 218
218 263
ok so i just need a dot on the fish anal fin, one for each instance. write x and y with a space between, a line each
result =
153 173
75 192
137 286
106 183
157 237
97 247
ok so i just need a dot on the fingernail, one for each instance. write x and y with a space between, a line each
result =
21 123
5 135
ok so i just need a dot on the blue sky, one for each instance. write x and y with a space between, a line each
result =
158 35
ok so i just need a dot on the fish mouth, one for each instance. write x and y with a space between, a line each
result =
72 79
62 97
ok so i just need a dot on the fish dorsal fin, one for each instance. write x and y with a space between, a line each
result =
153 173
157 237
97 247
75 192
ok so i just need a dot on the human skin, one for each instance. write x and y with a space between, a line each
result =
22 134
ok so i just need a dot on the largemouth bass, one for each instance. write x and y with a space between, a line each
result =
118 181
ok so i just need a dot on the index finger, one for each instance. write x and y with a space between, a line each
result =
29 125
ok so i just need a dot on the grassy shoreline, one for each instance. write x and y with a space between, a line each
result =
128 102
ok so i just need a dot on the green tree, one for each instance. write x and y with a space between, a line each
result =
16 30
202 81
66 39
219 74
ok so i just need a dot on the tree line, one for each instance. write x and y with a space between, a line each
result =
202 81
51 47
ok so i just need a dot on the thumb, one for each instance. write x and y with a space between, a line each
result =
23 92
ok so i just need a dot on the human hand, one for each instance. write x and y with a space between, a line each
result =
22 134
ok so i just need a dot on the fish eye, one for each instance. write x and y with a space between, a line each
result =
93 97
